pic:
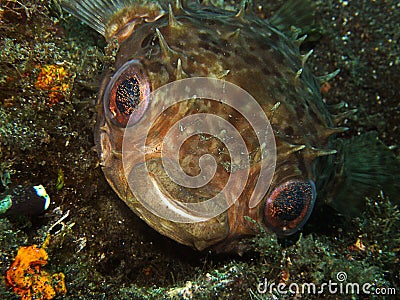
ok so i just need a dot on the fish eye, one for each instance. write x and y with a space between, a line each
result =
127 95
289 206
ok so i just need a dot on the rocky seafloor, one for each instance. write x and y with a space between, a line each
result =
104 250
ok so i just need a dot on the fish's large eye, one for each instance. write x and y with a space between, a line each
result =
127 95
289 206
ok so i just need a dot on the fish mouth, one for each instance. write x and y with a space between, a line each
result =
198 199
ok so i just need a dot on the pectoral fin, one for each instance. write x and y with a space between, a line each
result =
368 167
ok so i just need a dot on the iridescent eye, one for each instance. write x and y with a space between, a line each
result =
289 206
127 94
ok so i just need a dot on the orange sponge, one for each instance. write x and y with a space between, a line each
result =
28 280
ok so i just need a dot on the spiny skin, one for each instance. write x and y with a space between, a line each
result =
261 60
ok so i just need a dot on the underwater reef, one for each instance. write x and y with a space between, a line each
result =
50 66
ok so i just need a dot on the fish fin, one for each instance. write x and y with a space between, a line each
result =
298 14
367 167
94 13
108 17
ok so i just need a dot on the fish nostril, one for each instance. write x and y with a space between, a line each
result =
146 41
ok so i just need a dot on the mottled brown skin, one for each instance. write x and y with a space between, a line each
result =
261 60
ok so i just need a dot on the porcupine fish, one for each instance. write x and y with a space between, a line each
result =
162 42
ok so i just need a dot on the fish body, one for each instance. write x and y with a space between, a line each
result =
161 43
